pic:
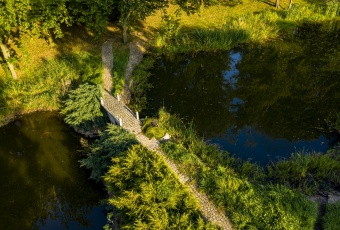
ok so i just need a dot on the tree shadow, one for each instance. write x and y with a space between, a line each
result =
79 39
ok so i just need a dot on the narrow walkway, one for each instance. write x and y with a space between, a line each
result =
129 122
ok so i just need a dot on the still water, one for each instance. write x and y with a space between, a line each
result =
41 183
259 102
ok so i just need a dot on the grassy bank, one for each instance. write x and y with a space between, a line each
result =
239 188
224 27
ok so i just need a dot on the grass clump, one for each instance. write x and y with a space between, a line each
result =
309 173
331 219
151 129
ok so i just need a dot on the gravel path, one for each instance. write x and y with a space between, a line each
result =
120 112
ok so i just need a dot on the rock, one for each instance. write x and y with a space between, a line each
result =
318 199
333 199
154 123
166 137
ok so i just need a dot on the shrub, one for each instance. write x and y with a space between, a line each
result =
149 195
112 142
82 108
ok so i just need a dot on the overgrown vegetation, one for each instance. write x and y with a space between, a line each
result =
112 142
309 173
147 194
242 192
151 129
139 84
82 108
261 26
331 219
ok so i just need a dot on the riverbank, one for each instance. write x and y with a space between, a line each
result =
249 193
222 27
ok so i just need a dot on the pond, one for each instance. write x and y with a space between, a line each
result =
41 183
261 101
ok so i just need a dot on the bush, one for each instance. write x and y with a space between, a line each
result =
82 108
149 195
112 142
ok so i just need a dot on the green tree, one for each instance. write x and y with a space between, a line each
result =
18 17
82 108
112 142
131 11
93 14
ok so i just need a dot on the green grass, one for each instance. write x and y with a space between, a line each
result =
120 59
152 131
233 30
309 173
331 220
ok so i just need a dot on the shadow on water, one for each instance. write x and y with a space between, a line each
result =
261 101
41 184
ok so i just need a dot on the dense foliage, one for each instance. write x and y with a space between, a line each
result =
331 219
112 142
82 108
149 195
139 84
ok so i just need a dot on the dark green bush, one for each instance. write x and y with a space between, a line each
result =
112 142
82 108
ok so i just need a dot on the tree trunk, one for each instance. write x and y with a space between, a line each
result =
125 33
6 54
290 4
277 5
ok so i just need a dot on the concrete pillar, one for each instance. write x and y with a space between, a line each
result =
120 122
101 101
137 115
118 97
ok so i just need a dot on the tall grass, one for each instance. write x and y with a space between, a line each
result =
252 27
309 173
331 219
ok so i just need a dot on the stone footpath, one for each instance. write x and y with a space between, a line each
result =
120 112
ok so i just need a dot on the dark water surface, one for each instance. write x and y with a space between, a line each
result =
259 102
41 183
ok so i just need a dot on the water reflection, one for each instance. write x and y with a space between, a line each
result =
41 184
261 101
